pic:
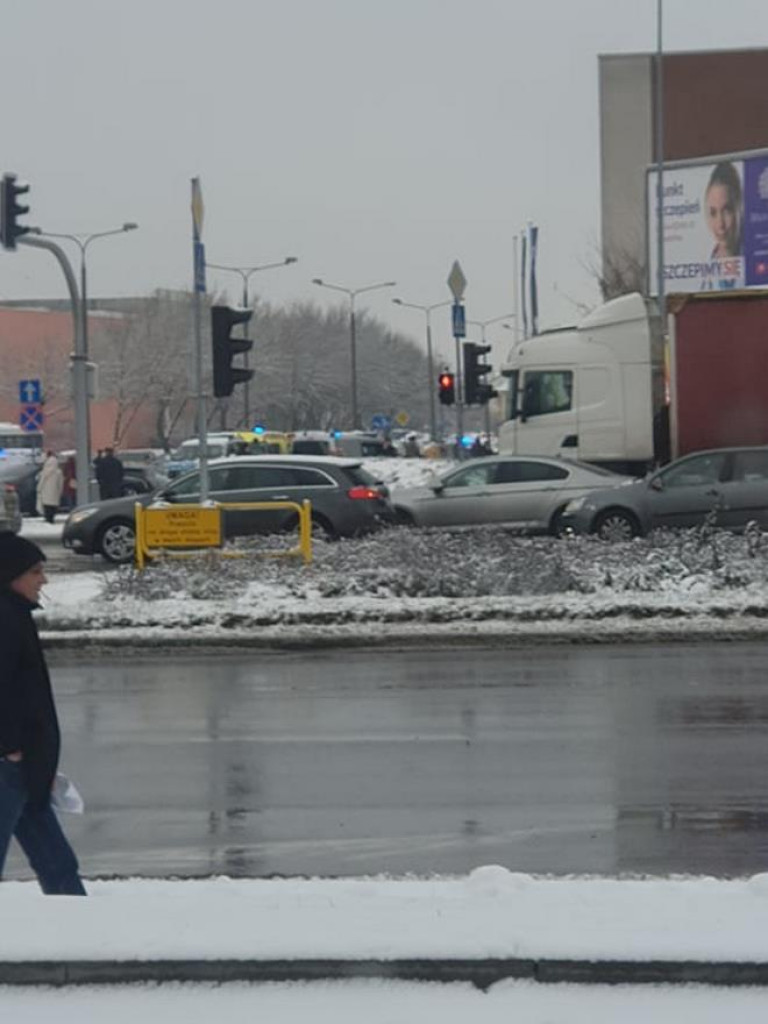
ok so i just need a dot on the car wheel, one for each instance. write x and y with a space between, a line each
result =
117 541
404 518
322 529
616 524
556 527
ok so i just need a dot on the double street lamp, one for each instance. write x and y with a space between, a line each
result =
427 310
82 242
352 293
82 398
245 274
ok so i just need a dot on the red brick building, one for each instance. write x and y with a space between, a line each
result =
36 343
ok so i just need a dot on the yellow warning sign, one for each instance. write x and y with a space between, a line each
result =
186 527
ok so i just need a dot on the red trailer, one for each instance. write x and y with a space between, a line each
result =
718 369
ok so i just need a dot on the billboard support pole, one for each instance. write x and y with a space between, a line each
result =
660 169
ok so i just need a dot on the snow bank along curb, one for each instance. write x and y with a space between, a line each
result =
480 973
489 925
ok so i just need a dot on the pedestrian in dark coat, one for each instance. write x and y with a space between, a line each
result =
109 475
29 728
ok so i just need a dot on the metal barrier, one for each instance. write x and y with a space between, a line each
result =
162 529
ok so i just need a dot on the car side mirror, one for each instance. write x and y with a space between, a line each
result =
656 484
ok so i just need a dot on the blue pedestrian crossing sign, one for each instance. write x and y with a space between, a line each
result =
380 421
30 392
31 417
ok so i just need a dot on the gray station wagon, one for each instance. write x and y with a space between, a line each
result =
346 501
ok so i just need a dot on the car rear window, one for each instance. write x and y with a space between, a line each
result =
358 475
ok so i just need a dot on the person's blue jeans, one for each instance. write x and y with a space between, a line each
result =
39 834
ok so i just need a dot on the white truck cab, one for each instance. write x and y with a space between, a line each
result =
592 392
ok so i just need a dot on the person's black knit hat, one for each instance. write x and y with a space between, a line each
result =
17 556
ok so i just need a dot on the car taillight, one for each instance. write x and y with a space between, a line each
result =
362 493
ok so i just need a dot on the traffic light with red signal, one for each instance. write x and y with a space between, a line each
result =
446 388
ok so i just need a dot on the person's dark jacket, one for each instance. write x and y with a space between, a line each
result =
109 476
28 720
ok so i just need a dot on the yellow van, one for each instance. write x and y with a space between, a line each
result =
267 442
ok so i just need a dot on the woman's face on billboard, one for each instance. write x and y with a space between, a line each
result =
721 217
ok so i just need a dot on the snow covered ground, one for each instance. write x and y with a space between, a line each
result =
490 913
403 584
379 1002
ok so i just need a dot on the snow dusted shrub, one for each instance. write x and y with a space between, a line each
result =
486 562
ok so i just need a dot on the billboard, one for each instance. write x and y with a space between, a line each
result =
715 224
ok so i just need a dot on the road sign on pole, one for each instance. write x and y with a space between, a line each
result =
30 392
31 417
457 282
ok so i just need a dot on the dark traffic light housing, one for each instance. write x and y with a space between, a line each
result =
446 388
11 210
225 348
476 390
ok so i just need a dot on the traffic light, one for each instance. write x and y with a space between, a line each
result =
10 210
446 388
225 348
476 390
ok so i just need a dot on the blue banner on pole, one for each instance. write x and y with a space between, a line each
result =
199 267
459 320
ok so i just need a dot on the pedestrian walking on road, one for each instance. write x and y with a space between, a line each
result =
29 728
109 475
49 488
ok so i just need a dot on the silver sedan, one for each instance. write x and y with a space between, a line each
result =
523 492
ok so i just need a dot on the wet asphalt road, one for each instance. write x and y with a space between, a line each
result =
572 759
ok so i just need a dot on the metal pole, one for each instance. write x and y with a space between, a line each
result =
202 426
353 359
660 170
459 400
247 383
431 376
516 289
79 371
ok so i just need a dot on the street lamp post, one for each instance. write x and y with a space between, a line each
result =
82 241
245 274
427 310
352 293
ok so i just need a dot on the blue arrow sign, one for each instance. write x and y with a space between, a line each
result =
31 417
30 392
380 421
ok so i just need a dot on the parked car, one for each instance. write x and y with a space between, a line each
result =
187 456
359 445
21 477
526 493
312 442
144 470
731 482
346 501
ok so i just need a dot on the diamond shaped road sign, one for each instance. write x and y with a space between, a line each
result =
456 281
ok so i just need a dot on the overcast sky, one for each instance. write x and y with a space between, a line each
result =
373 140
